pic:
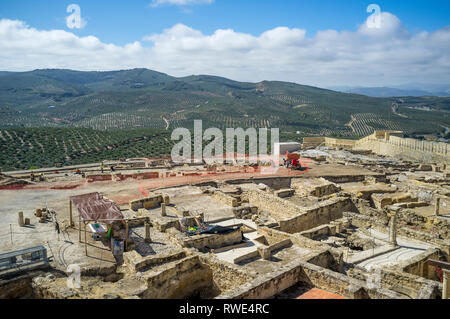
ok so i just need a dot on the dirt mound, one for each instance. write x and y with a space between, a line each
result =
6 180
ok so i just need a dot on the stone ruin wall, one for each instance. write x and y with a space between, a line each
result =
225 199
227 276
275 183
321 214
278 208
407 148
408 285
289 275
384 143
212 241
185 278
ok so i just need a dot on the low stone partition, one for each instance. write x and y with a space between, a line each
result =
279 208
136 222
334 282
322 213
227 276
317 187
323 230
266 251
225 199
381 200
255 254
282 193
147 203
436 233
121 177
400 282
99 178
271 284
210 241
245 211
179 280
164 223
346 178
312 142
277 183
330 229
136 262
296 239
340 143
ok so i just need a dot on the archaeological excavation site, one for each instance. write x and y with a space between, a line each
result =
355 219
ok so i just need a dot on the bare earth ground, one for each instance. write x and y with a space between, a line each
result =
55 194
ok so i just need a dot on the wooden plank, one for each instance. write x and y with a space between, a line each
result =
441 264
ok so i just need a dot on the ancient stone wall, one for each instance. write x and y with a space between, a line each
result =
300 271
275 183
400 282
418 265
269 284
278 208
182 279
427 235
227 276
147 203
296 239
225 199
317 187
411 149
136 262
386 143
211 241
309 142
322 213
339 143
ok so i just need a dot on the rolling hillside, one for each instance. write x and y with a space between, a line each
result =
142 98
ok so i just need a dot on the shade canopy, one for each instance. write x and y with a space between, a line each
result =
93 207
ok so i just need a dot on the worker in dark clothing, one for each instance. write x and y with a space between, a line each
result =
57 227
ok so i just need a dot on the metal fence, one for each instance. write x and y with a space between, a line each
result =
24 259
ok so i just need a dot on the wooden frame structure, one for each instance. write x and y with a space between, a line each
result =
100 212
445 266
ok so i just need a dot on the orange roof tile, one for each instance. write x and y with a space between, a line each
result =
316 293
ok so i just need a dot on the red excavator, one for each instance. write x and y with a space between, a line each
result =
294 161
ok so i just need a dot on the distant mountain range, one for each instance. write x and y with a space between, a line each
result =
142 98
406 90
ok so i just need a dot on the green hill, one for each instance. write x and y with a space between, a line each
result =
142 98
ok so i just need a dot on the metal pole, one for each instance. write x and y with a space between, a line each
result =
85 239
126 234
445 287
70 211
79 228
10 231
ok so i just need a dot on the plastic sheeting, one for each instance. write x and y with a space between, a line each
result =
93 207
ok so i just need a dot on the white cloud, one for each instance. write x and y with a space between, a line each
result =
368 56
158 3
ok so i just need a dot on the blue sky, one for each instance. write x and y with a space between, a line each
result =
121 22
322 43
